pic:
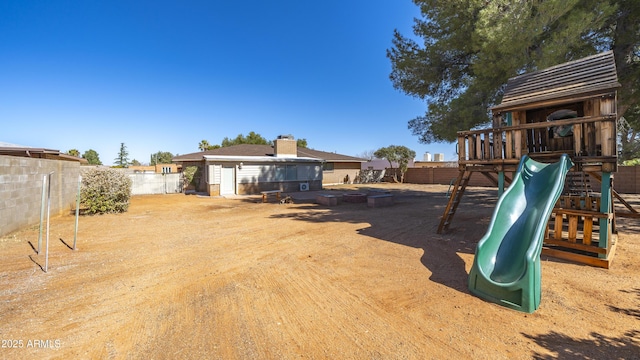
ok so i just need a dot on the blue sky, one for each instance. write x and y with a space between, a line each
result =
164 75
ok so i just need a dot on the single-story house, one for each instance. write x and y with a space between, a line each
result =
250 169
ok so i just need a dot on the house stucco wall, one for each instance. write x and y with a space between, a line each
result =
286 186
340 171
254 177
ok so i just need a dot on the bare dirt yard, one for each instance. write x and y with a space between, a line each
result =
189 277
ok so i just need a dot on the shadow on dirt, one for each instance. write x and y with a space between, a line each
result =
413 221
32 247
597 346
37 263
65 244
625 223
630 312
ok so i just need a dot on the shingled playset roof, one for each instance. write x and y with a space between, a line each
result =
590 76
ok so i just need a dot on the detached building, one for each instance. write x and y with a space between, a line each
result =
250 169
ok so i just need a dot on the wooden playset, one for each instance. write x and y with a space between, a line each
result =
566 109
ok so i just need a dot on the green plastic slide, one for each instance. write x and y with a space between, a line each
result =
506 268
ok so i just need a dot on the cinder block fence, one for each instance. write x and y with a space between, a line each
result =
21 189
626 179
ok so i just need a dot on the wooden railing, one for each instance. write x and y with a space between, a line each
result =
507 144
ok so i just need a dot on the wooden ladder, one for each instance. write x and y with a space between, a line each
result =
454 199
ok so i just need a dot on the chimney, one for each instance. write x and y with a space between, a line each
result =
285 146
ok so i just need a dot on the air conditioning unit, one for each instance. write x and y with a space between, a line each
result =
304 186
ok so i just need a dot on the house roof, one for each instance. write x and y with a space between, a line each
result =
262 151
590 76
328 156
29 151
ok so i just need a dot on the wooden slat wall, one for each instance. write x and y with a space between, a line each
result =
513 141
577 222
608 130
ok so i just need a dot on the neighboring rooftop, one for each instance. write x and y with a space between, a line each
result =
33 152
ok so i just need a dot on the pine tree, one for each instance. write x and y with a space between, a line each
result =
471 48
123 157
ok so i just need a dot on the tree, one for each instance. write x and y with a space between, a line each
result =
629 136
122 160
92 157
471 48
204 146
135 162
74 152
398 154
368 154
161 157
251 138
301 143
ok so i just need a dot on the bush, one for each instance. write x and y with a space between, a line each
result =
191 176
105 191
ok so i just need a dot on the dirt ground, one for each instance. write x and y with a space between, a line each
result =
190 277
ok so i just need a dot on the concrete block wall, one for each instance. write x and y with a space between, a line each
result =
442 176
626 179
419 176
21 189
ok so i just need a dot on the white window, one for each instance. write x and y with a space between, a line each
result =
286 172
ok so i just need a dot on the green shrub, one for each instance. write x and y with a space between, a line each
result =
105 191
191 176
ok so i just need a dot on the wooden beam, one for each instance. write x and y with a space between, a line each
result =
575 246
577 212
461 149
583 259
577 139
508 148
540 125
